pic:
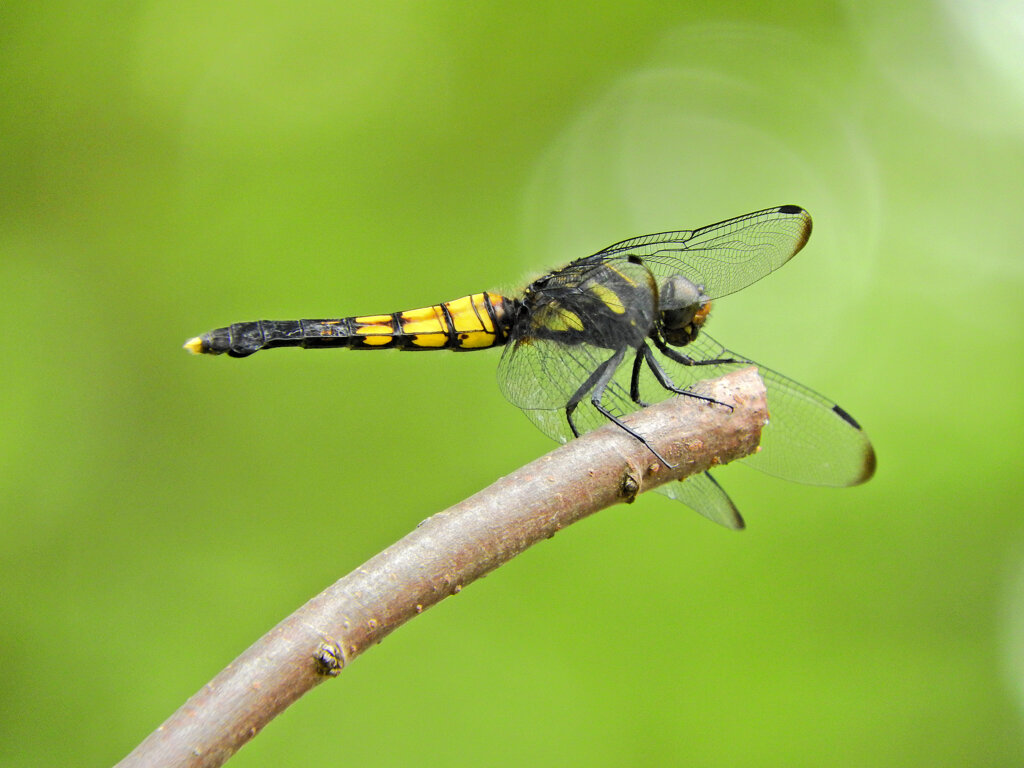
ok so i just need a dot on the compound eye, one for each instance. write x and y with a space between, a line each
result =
679 293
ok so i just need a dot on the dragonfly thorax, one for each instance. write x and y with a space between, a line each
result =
682 308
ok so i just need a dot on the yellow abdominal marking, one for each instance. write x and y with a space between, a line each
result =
376 330
374 320
475 339
472 321
466 323
377 339
427 325
430 340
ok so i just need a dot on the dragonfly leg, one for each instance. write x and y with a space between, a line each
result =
663 378
682 359
634 381
605 370
598 380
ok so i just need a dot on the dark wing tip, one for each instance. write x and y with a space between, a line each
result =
805 234
870 464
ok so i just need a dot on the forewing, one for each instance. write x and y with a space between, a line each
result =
723 257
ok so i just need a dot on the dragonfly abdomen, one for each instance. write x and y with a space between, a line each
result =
479 321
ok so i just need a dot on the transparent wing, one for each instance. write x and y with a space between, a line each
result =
574 323
703 494
809 438
541 376
723 257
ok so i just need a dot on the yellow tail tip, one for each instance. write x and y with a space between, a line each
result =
195 346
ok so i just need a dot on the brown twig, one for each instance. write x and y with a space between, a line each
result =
449 551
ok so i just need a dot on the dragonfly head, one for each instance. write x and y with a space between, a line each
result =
683 308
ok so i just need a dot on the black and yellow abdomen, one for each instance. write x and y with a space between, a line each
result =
479 321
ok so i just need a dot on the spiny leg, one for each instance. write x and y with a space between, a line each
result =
598 381
588 385
663 378
634 380
682 359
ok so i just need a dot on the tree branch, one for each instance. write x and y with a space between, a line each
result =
450 550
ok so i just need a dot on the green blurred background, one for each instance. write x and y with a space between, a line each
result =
171 167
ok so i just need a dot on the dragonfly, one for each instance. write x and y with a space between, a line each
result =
611 333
